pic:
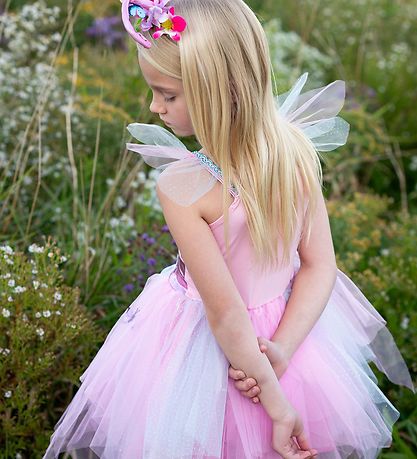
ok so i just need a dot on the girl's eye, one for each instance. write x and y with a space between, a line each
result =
169 99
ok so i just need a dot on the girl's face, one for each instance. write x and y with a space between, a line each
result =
168 99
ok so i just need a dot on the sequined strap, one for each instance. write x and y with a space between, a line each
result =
214 169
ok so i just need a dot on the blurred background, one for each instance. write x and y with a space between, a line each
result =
80 225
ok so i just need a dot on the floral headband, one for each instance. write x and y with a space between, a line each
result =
151 13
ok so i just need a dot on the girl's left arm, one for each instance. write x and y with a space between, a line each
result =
312 285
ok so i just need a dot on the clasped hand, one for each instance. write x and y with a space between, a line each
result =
288 437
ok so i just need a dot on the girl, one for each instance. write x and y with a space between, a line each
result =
255 260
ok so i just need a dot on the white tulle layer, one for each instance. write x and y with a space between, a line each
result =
158 387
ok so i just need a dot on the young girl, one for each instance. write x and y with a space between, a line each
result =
255 292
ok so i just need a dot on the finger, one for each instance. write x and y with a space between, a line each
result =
236 374
255 400
250 383
303 442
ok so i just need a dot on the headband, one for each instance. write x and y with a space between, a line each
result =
148 14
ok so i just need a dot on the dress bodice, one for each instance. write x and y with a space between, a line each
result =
255 287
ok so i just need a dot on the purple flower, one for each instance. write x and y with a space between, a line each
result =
165 229
128 288
151 261
142 257
145 236
151 240
103 30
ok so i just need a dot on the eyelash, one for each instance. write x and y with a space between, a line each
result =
170 99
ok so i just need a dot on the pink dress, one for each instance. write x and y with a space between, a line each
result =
159 387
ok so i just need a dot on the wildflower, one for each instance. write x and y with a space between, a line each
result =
57 296
7 249
38 315
5 312
404 322
46 313
63 259
11 283
19 289
128 288
151 261
8 393
40 332
34 248
58 313
50 254
36 284
9 299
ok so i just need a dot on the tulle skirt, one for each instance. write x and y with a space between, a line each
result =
159 389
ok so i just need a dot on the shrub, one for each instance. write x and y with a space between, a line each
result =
46 340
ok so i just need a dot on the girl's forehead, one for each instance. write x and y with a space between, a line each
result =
157 79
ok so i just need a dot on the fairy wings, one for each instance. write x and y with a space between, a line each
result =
186 180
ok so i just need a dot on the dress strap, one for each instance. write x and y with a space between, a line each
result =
214 169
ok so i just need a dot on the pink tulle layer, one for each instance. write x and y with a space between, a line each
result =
159 388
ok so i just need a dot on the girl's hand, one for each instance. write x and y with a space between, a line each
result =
289 439
278 359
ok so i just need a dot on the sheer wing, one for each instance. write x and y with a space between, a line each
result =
314 112
186 179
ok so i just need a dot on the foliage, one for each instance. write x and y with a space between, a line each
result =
46 340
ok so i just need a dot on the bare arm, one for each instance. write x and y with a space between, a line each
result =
226 313
312 285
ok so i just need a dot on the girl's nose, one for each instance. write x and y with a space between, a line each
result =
157 107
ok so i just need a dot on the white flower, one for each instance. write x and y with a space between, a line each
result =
7 249
8 393
11 283
58 313
5 312
40 332
46 313
43 285
19 289
38 315
114 222
36 284
34 248
50 254
404 323
6 276
4 351
9 262
63 259
25 318
18 456
34 271
57 296
384 252
9 299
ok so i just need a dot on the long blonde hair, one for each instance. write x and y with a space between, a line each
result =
224 63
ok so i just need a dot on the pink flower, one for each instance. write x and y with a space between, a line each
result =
172 26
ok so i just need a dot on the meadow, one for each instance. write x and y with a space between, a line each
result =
81 229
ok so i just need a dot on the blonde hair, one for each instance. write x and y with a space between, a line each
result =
224 63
